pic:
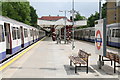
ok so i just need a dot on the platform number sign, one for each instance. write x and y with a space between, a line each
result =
100 37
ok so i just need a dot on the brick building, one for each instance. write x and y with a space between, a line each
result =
113 11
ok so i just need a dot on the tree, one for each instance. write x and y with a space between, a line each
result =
0 8
94 17
104 10
79 17
33 17
20 11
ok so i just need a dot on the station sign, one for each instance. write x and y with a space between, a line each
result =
100 37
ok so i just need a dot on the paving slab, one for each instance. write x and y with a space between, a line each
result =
50 60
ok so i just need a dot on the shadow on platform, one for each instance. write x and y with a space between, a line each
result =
33 68
106 70
70 70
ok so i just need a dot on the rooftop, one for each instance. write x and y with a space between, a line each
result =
51 18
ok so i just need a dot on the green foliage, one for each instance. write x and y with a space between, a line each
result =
0 8
20 11
33 17
94 17
79 17
104 10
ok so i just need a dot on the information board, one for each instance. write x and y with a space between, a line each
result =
100 37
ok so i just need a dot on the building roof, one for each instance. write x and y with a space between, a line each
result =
51 18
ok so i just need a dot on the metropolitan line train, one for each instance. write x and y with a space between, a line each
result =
15 36
88 34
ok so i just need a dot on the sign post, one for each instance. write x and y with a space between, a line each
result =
100 39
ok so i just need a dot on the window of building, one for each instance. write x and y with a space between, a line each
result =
118 3
115 4
2 37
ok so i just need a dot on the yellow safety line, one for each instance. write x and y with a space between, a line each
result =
17 57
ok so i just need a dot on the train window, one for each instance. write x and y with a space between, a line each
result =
18 33
113 32
117 33
14 33
110 33
2 37
25 32
93 33
31 33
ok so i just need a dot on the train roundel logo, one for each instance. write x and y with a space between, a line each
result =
98 40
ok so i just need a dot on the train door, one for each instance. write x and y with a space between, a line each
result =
89 34
8 38
109 35
22 37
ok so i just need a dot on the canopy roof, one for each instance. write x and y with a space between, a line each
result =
58 21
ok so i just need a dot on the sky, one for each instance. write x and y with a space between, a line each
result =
52 7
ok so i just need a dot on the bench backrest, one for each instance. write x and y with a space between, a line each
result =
117 58
84 55
112 56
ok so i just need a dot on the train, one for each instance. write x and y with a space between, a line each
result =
15 36
112 31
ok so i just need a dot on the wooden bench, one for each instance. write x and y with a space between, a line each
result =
112 57
81 59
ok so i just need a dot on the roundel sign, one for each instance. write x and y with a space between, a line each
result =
98 39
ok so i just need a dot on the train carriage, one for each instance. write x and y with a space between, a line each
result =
113 34
113 37
2 42
15 36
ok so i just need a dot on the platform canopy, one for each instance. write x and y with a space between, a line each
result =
58 22
61 22
80 23
45 22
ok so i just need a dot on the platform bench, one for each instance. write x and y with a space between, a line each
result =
112 57
79 60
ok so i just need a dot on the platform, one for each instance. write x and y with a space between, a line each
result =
50 60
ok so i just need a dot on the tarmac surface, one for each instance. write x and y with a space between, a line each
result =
50 60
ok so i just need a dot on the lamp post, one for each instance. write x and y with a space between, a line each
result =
73 14
100 10
64 26
100 57
73 11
